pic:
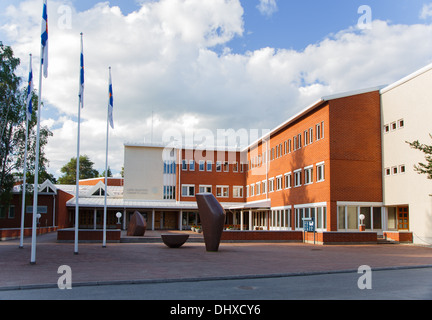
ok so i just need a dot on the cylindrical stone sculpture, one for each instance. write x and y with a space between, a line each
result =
212 217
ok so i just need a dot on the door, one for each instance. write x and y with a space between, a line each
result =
403 218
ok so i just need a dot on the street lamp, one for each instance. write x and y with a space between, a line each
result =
118 215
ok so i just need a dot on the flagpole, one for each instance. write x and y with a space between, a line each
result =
36 174
106 165
80 105
29 92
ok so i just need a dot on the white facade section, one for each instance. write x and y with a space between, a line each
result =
407 116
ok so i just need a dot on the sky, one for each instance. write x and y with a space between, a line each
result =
193 71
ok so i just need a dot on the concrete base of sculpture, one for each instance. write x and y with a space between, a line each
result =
212 217
174 240
137 225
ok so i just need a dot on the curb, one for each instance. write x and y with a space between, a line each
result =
202 279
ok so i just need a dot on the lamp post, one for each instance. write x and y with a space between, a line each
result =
362 226
118 215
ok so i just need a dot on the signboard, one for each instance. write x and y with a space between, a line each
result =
40 209
309 224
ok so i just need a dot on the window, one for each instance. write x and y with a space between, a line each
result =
218 166
402 169
11 214
188 190
289 146
277 152
201 165
264 186
226 166
387 171
393 126
299 141
310 135
191 165
386 128
169 167
294 143
320 172
279 183
184 165
209 166
252 190
285 147
205 189
308 175
297 178
306 137
258 188
401 123
235 166
238 192
319 128
394 170
271 185
169 193
247 191
288 180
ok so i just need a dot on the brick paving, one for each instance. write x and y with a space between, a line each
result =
154 261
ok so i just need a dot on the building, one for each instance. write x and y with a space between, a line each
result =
406 116
342 162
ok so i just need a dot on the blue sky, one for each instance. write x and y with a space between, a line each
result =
207 64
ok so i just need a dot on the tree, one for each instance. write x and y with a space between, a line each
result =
102 175
86 170
423 168
13 127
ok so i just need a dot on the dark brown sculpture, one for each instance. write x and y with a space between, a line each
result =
137 225
174 240
212 217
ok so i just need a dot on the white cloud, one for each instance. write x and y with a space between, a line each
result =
163 60
426 11
267 7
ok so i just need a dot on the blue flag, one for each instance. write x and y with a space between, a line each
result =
30 91
81 89
110 101
44 39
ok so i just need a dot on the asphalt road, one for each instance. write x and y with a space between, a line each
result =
392 284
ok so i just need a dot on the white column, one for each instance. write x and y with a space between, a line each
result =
250 220
153 219
180 224
241 220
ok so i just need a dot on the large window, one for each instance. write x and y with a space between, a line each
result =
222 191
349 217
188 190
308 175
288 178
238 192
316 211
205 189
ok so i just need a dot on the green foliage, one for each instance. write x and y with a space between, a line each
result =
423 168
86 170
13 128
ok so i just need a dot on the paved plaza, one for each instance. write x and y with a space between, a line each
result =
153 262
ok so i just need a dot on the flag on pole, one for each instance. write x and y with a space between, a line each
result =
81 89
110 101
44 37
30 92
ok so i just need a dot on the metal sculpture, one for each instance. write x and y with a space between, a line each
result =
212 217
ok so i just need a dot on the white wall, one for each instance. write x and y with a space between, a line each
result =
410 100
143 170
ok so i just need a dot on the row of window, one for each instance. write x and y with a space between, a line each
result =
290 145
208 166
188 190
280 219
288 180
395 170
395 125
